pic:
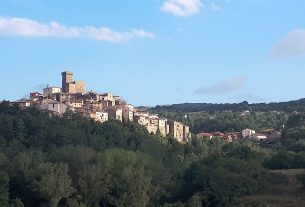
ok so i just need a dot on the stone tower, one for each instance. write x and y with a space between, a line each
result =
67 78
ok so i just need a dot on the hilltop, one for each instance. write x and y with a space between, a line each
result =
288 106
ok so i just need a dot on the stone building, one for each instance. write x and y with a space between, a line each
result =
128 113
152 124
76 103
99 116
64 97
179 131
115 113
163 127
70 86
186 133
54 106
49 91
23 103
246 133
141 117
176 130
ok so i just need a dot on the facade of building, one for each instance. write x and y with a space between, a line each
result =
49 91
70 86
163 127
115 113
54 106
246 133
100 116
23 103
76 103
258 136
152 124
178 131
128 111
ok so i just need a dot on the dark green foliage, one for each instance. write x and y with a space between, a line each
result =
74 162
290 106
286 160
218 181
4 181
54 183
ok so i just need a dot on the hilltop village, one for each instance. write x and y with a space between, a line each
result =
101 107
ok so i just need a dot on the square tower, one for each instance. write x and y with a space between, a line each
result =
67 77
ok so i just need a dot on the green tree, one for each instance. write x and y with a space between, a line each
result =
55 183
4 180
136 179
93 184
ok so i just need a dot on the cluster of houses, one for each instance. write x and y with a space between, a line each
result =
101 107
250 134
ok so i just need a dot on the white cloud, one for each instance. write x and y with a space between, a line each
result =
215 7
292 45
181 7
31 28
223 87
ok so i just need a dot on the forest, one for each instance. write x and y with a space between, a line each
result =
288 106
72 161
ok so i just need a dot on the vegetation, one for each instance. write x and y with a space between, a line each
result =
290 106
73 161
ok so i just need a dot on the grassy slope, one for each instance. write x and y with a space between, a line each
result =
288 192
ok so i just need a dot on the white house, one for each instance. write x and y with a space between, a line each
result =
101 116
246 133
258 136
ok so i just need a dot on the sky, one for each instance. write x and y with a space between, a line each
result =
156 52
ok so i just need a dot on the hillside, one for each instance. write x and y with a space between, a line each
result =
284 191
289 106
72 161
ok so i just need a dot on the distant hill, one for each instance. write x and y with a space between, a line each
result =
289 106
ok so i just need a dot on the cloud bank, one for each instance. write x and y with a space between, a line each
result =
181 7
292 45
32 28
223 87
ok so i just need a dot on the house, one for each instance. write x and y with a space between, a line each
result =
64 97
218 134
140 119
76 103
141 116
246 133
115 113
152 124
179 131
107 97
274 135
35 96
128 110
54 106
23 103
99 116
258 136
205 135
163 126
49 91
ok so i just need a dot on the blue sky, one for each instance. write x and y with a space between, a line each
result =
156 51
